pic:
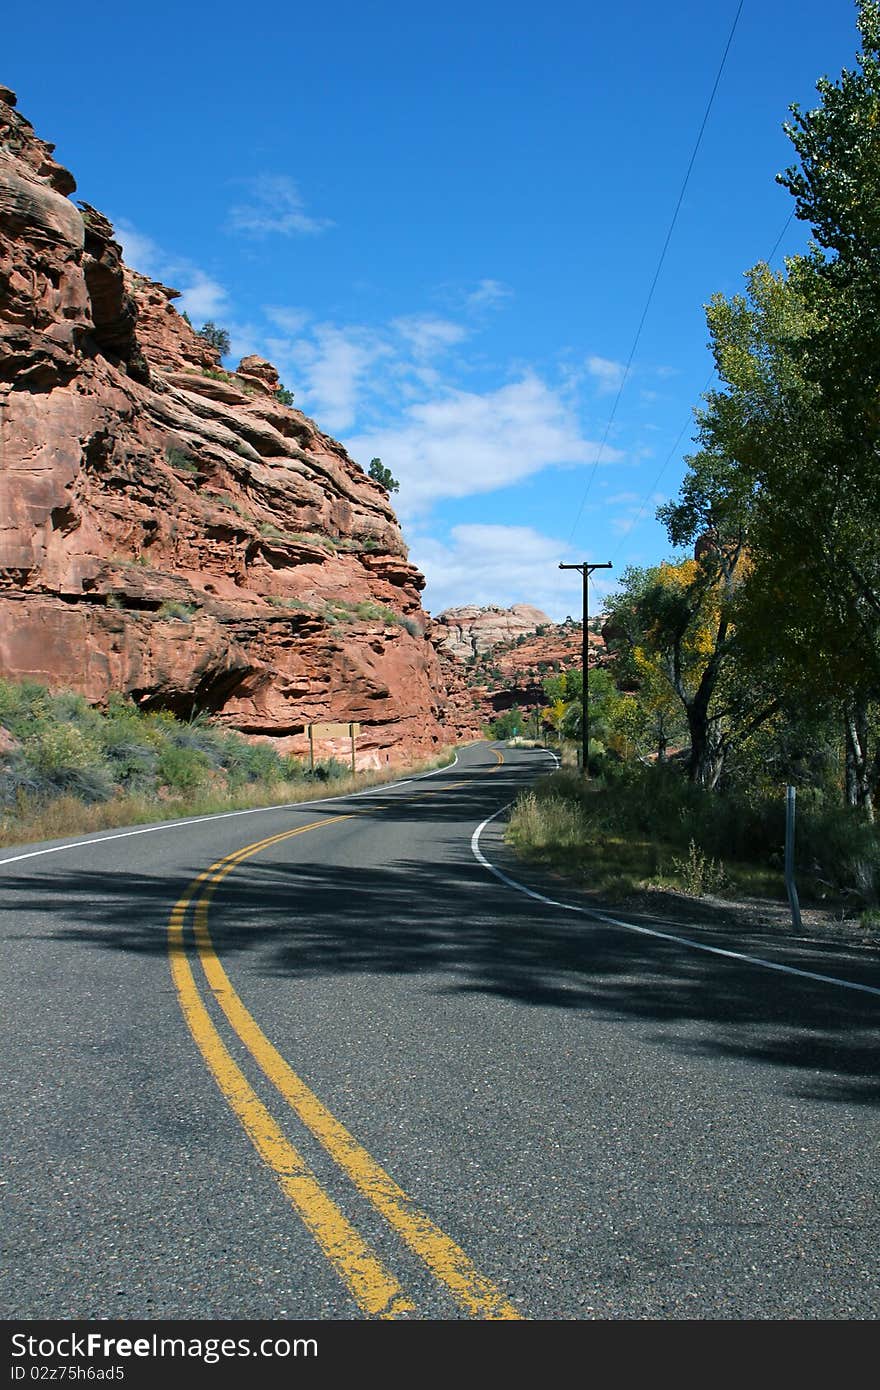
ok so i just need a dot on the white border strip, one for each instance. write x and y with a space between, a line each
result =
649 931
224 815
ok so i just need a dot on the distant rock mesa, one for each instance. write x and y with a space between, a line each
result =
470 631
172 530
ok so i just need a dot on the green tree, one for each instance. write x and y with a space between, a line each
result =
788 463
836 186
217 337
673 623
383 476
511 722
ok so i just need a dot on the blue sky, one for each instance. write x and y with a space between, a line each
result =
443 225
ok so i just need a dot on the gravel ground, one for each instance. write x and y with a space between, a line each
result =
829 925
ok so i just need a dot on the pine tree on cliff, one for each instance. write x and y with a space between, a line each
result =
382 475
217 337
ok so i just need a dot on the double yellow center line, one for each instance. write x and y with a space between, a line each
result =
374 1287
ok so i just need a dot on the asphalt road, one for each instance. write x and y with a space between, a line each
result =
353 1073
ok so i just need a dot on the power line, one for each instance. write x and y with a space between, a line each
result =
666 462
669 457
666 242
781 235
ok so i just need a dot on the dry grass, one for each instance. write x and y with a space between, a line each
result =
66 815
566 831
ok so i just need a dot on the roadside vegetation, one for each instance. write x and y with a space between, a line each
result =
69 768
630 828
749 660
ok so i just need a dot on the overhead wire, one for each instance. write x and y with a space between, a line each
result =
658 269
672 452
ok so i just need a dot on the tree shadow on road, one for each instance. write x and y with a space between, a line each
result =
452 923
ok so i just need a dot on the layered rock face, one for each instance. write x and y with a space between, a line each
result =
172 530
511 673
470 631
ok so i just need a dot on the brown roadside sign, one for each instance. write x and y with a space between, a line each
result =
334 730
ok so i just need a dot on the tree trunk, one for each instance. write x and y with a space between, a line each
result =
858 781
707 749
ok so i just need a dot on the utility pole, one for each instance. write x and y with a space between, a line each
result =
586 570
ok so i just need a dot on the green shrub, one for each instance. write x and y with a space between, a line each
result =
132 764
173 608
708 839
22 707
247 763
182 769
72 750
698 873
60 746
59 758
331 770
181 461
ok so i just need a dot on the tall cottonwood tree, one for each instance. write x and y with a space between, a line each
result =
673 624
789 464
836 185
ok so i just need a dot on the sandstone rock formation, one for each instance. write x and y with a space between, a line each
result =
472 630
511 672
172 530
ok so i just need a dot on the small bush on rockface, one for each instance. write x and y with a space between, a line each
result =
173 608
383 476
181 461
293 604
283 396
217 337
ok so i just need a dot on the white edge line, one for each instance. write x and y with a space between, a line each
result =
224 815
649 931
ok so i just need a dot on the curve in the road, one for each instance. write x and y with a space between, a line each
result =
651 931
374 1287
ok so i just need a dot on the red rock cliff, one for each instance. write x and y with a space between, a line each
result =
174 531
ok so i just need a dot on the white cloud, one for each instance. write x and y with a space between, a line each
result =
609 375
288 320
501 565
488 294
331 369
274 205
460 443
138 251
637 509
427 336
201 297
